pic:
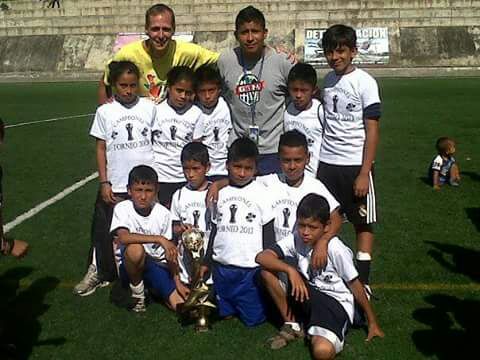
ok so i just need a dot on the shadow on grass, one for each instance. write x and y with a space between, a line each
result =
463 260
453 321
474 215
454 327
472 175
20 309
426 180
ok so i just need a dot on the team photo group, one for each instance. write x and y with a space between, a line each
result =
244 151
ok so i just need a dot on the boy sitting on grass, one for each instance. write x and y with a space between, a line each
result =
143 229
327 296
444 169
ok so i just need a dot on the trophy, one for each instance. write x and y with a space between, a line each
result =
197 304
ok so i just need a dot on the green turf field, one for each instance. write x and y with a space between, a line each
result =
427 258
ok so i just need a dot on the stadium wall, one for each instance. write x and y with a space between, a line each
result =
426 37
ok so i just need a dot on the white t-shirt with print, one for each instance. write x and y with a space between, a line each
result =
310 123
127 135
339 270
344 100
171 131
188 206
286 199
213 129
156 223
241 215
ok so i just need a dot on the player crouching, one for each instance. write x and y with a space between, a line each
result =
143 229
325 300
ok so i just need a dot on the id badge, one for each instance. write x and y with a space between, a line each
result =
254 133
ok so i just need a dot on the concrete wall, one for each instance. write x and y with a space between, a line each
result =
78 38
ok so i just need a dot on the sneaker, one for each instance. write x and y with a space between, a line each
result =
285 335
89 283
138 304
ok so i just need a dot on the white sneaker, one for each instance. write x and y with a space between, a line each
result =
138 304
89 283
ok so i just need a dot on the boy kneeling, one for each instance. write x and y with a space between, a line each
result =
326 300
143 229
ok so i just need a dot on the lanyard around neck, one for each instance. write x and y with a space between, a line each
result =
259 76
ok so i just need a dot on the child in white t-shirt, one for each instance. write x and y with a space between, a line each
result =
243 226
143 230
122 130
188 208
305 113
175 121
325 296
444 169
214 126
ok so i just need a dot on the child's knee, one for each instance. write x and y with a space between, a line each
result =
322 349
134 253
268 277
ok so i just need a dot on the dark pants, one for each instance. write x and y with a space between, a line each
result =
102 239
268 164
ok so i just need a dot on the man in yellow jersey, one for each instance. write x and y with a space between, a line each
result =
157 55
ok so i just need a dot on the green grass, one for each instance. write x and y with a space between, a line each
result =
426 258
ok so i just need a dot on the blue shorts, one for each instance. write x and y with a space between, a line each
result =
238 293
156 278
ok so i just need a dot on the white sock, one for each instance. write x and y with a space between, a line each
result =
363 256
295 325
138 290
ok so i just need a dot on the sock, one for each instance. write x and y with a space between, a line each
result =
295 326
138 290
363 265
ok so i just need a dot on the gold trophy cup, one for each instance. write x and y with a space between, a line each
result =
197 304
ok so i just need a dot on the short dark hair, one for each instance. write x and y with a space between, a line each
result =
249 14
303 72
195 151
142 174
2 130
293 138
314 206
159 9
443 144
207 73
118 68
339 35
242 148
179 73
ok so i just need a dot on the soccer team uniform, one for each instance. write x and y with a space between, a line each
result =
172 130
127 135
348 100
330 308
188 207
240 218
213 129
156 274
286 199
443 166
153 72
310 123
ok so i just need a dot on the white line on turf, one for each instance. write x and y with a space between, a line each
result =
47 120
32 212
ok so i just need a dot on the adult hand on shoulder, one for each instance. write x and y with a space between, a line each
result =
291 56
360 186
212 195
107 193
374 331
19 248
